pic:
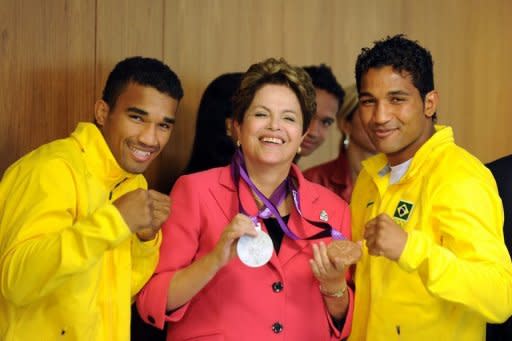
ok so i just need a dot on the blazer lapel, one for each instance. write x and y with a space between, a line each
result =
228 199
225 196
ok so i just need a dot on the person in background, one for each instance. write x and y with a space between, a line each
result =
502 171
340 174
214 144
434 265
329 99
79 231
244 251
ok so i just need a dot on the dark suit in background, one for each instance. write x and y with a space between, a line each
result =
502 171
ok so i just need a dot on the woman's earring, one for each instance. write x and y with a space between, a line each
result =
299 150
238 143
346 141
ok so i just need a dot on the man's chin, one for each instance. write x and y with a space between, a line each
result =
136 169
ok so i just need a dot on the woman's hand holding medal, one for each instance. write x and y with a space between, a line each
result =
330 262
225 249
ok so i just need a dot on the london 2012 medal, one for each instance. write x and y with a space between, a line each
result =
255 251
348 251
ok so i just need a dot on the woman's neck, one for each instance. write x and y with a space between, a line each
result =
267 179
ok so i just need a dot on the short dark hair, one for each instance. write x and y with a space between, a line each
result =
276 71
143 71
401 54
323 78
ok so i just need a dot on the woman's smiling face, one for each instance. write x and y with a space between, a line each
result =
271 131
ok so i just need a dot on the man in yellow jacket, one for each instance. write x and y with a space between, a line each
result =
79 231
434 264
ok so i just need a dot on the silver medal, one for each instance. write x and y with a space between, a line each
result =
255 251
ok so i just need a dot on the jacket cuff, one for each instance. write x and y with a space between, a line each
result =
347 326
108 224
146 248
416 250
152 300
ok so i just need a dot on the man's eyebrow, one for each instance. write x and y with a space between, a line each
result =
170 120
364 93
399 93
167 119
138 111
390 93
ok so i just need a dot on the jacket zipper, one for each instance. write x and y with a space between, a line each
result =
110 313
114 188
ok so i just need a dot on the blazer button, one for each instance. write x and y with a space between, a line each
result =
151 319
277 327
277 286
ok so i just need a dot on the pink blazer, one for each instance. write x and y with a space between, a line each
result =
278 301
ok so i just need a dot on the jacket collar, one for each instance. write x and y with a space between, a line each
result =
377 166
99 158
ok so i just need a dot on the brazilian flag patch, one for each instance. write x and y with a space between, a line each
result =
403 210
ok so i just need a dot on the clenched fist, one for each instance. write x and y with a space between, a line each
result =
144 211
384 237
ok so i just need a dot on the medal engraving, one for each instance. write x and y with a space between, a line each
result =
255 251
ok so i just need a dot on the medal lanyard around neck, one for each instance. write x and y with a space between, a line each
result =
269 208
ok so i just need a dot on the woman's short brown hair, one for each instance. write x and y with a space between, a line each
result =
273 71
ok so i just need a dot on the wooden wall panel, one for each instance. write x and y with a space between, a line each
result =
470 44
311 43
204 39
55 57
334 34
128 28
466 39
198 34
46 79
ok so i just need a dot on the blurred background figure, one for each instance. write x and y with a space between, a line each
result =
214 144
340 174
502 170
329 98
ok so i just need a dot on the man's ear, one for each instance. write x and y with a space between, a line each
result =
101 110
431 100
229 127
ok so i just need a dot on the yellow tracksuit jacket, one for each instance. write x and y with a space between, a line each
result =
70 267
454 273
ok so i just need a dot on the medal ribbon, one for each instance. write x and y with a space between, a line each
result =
270 205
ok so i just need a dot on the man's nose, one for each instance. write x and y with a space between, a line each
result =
314 126
148 135
381 113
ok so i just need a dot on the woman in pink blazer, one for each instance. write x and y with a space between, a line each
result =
244 254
